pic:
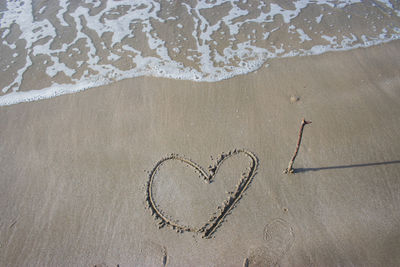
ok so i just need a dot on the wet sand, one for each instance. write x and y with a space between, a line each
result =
74 169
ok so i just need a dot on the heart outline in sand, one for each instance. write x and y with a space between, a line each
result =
216 220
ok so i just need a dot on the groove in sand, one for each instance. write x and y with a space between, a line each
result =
216 220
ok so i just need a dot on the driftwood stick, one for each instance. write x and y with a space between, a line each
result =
290 167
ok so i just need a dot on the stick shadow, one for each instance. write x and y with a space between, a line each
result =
299 170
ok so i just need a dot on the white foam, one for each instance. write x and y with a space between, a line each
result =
318 19
62 11
330 39
303 36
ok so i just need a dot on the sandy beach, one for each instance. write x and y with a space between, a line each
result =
75 168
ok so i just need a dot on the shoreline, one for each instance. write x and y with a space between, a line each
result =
49 93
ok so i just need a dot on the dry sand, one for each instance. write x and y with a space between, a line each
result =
74 168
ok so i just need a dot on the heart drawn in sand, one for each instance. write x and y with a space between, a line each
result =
216 220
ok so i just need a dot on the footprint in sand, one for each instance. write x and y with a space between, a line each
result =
153 254
279 238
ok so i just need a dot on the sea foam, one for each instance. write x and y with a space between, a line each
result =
51 48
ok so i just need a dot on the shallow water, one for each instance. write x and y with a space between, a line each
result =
48 48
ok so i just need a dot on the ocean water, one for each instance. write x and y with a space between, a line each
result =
49 48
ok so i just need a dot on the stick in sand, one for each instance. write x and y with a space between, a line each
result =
289 168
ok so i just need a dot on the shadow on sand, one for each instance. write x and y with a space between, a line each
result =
299 170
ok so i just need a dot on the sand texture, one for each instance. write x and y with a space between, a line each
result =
77 171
